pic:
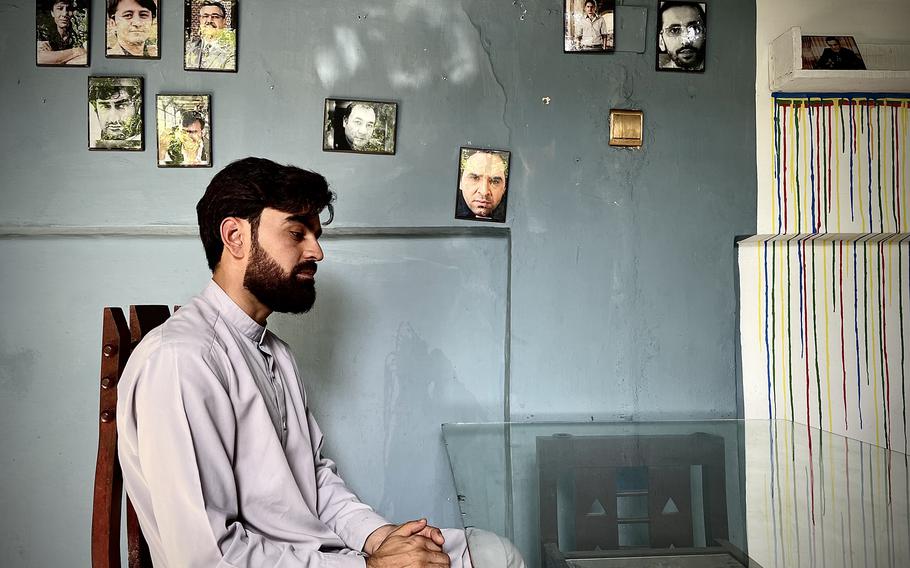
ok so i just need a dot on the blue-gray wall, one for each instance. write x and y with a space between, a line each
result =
612 296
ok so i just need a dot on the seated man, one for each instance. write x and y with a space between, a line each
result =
220 453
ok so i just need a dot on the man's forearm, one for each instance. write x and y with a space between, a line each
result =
62 56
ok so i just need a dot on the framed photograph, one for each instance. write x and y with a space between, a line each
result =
62 32
210 35
682 32
115 113
364 127
184 131
483 183
588 26
132 29
831 52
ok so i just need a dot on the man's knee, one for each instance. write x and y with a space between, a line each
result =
489 550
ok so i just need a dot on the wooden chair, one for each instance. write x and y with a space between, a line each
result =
118 341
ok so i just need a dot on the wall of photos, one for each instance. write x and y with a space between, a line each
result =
608 291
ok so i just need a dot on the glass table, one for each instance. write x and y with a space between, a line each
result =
720 493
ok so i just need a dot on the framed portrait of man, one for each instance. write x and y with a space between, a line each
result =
132 29
363 127
831 53
62 32
483 183
184 125
115 113
682 36
210 35
589 26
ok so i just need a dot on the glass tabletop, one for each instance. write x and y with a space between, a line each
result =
683 494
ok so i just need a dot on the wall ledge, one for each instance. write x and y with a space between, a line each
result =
850 237
38 231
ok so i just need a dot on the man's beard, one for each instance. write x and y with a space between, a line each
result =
692 59
276 289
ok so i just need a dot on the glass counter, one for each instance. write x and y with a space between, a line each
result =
717 493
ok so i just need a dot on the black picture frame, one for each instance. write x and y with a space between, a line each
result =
378 121
492 208
177 117
118 20
54 49
690 22
577 39
115 105
218 51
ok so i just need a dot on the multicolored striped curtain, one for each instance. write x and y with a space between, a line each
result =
825 302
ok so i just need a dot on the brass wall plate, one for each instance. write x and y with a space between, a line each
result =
626 128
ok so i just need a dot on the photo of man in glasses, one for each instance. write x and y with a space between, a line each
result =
681 36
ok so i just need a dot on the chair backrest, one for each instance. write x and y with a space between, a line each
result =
117 343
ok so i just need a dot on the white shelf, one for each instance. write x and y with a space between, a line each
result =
889 69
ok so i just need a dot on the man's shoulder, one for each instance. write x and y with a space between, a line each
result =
191 331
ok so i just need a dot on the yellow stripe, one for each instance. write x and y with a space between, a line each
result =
859 169
905 119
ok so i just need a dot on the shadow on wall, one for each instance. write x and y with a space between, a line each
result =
417 378
443 27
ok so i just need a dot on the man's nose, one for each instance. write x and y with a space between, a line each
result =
485 186
314 250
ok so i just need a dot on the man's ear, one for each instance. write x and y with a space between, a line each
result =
234 235
660 42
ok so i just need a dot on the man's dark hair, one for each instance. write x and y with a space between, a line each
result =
216 4
49 4
104 88
147 4
191 116
350 107
673 4
832 38
245 187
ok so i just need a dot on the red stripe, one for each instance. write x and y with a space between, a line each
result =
881 252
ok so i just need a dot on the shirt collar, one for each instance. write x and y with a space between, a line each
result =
232 313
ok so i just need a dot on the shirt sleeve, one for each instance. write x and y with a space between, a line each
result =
338 507
185 436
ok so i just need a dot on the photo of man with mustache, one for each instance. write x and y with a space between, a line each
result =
210 35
